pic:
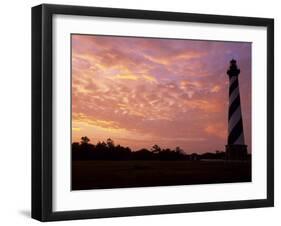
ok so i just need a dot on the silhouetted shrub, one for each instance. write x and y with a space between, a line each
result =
109 151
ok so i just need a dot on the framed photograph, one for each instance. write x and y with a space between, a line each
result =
145 112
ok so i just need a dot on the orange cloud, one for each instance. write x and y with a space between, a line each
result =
217 129
128 77
76 129
204 105
142 91
215 89
81 118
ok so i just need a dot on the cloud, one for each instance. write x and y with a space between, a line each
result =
148 90
215 89
217 130
76 129
128 76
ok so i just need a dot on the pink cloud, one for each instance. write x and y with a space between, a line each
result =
170 92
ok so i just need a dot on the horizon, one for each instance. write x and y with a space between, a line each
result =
149 149
134 150
146 91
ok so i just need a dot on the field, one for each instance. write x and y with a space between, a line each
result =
120 174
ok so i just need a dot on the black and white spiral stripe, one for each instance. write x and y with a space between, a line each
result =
235 124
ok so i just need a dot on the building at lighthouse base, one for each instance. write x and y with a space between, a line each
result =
236 152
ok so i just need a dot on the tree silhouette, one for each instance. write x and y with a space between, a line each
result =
110 143
179 150
156 149
109 151
85 140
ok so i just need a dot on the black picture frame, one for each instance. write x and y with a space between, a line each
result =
42 111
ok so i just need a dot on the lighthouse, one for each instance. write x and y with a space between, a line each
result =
235 148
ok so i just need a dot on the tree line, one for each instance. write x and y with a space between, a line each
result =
84 150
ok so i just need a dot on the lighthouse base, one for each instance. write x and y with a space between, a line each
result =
236 152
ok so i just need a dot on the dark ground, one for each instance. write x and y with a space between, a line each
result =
120 174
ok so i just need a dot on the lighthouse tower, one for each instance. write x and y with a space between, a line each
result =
235 148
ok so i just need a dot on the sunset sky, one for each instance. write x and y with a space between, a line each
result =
145 91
